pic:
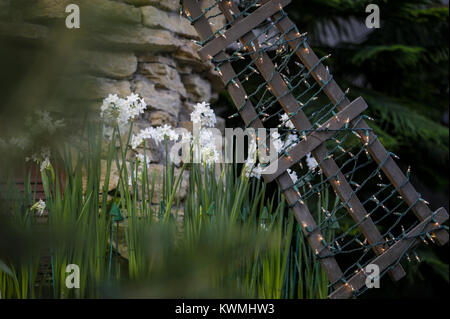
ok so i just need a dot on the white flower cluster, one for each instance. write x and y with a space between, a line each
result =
158 134
42 158
293 175
311 162
205 148
293 139
252 169
119 111
203 117
39 207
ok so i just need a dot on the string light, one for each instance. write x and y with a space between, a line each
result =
306 84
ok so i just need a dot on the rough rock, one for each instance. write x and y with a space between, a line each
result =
155 18
185 112
199 90
97 10
215 80
149 57
116 65
95 88
162 100
159 118
47 9
170 5
134 38
187 55
164 77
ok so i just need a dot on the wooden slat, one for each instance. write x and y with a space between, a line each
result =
301 212
305 219
391 255
375 148
241 28
315 139
329 167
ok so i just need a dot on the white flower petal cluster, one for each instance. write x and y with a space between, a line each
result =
286 121
291 138
186 137
42 158
118 111
158 134
45 164
293 175
291 141
142 160
252 169
203 115
39 207
277 142
311 162
205 147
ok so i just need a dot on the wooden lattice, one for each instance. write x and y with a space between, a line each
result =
241 27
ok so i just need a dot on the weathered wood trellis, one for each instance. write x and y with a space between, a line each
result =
243 26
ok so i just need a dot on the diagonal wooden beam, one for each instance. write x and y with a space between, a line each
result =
393 254
238 30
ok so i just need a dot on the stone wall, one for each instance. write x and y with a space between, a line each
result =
141 46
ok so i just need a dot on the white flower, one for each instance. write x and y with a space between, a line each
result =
167 131
253 171
203 115
277 142
147 133
186 137
293 175
40 157
141 160
45 164
286 121
118 111
205 146
311 162
210 155
155 133
39 207
136 105
291 141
